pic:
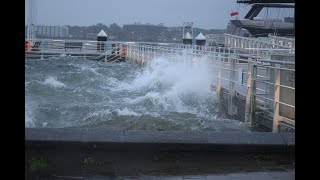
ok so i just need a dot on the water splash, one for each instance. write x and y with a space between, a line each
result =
52 81
30 107
172 84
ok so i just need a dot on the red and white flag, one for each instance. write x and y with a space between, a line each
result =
234 13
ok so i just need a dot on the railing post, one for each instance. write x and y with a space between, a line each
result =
266 88
240 76
135 55
129 53
231 105
142 55
219 76
253 95
226 40
248 98
154 53
162 51
149 55
276 98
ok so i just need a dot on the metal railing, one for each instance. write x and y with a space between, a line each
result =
257 78
261 47
82 49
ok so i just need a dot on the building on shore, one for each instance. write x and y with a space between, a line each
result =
43 31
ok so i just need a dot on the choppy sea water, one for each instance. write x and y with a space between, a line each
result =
170 93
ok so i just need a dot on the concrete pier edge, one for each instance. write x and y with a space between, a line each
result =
130 140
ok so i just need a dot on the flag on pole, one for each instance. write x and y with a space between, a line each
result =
233 13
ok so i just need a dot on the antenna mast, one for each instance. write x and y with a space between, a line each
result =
31 21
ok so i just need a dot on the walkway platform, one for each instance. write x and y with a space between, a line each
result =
159 140
87 153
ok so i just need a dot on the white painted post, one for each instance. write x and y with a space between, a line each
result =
276 98
242 43
248 98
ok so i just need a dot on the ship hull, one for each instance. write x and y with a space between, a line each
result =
264 28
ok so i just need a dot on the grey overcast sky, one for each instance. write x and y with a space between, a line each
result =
208 14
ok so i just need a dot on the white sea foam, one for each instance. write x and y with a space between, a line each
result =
97 113
44 124
126 112
170 80
30 107
90 69
52 81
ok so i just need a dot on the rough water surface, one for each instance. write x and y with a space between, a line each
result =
169 94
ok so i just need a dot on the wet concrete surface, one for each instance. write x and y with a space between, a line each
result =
81 154
88 164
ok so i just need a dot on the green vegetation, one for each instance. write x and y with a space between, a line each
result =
263 157
91 161
37 163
